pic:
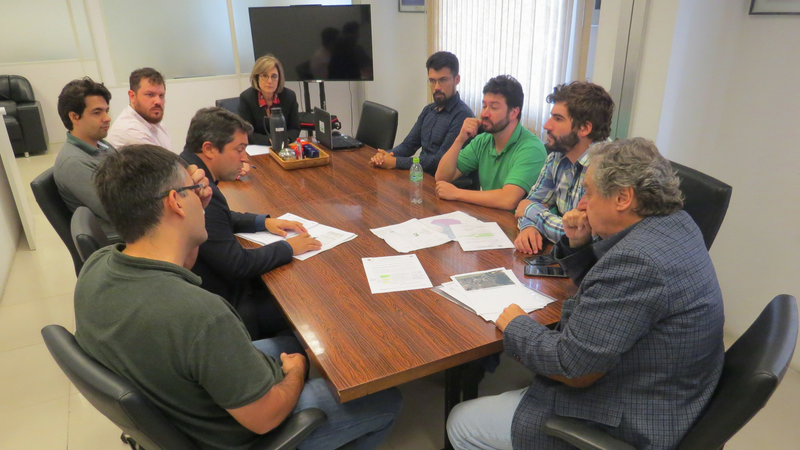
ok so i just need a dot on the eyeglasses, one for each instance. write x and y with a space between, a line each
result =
265 77
197 188
441 81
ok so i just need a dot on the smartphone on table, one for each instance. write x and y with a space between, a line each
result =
532 270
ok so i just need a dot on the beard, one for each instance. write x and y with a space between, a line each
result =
562 144
494 128
439 98
154 119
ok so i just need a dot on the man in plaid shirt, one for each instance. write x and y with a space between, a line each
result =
581 115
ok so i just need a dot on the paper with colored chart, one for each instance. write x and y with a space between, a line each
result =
395 273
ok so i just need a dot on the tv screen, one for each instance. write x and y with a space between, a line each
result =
330 43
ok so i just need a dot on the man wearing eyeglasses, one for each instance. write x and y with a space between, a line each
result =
439 123
216 143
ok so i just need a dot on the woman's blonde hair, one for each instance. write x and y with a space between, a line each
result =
263 65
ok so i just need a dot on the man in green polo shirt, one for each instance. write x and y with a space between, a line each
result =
83 108
506 155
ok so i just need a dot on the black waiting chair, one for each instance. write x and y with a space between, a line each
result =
47 196
142 423
378 125
23 119
754 366
706 200
231 104
87 234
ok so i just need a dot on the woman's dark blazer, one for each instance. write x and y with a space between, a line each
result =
256 115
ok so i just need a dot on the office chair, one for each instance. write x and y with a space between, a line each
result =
24 119
231 104
141 422
377 126
706 200
754 366
87 235
46 194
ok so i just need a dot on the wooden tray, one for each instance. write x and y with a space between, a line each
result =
324 159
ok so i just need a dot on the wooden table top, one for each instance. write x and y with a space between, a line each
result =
359 341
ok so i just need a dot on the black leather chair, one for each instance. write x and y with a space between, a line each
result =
378 125
23 119
46 194
706 200
754 366
87 234
231 104
141 422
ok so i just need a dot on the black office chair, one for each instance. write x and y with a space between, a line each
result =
754 366
46 194
378 125
87 234
23 119
706 200
141 422
231 104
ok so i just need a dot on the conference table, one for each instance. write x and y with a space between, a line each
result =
362 342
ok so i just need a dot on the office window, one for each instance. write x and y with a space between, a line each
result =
51 39
179 38
241 19
535 41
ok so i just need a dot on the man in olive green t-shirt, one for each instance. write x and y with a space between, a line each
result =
141 313
507 156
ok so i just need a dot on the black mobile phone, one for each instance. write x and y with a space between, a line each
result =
543 260
544 271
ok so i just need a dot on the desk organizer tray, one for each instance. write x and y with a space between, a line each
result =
324 159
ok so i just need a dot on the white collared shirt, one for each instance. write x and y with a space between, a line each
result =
131 128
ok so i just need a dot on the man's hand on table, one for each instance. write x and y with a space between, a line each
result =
446 191
384 160
510 313
529 241
280 226
303 243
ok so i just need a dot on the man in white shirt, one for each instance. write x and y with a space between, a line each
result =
140 121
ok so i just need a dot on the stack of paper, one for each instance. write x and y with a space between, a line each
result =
255 150
411 235
481 236
329 237
489 292
444 222
395 273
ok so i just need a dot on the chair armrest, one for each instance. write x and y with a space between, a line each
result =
581 435
292 431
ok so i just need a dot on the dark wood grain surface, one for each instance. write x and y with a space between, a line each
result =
363 342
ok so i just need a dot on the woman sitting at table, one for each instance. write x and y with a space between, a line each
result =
266 91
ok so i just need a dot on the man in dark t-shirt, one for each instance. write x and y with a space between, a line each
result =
141 312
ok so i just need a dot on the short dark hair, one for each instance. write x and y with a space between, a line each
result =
216 125
586 102
440 60
145 73
73 98
509 88
130 184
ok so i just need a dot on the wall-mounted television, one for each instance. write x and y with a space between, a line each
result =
328 43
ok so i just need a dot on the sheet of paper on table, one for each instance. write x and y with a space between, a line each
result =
395 273
411 235
444 222
329 237
255 150
487 293
481 236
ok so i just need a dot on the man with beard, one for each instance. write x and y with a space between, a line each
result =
83 108
581 115
507 156
438 124
140 121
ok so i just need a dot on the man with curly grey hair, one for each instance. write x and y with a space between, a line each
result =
638 351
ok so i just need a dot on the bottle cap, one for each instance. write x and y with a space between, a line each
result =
416 160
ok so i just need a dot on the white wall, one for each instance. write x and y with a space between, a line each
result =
730 110
10 228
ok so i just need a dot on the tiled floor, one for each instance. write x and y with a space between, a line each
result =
40 410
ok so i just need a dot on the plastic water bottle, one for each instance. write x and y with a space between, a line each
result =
416 182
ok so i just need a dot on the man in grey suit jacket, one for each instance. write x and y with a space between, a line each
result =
638 351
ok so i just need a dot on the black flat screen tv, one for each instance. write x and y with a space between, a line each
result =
328 43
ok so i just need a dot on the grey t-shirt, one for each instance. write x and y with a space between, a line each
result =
186 348
74 175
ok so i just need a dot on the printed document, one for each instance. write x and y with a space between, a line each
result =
395 273
411 235
329 237
481 236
